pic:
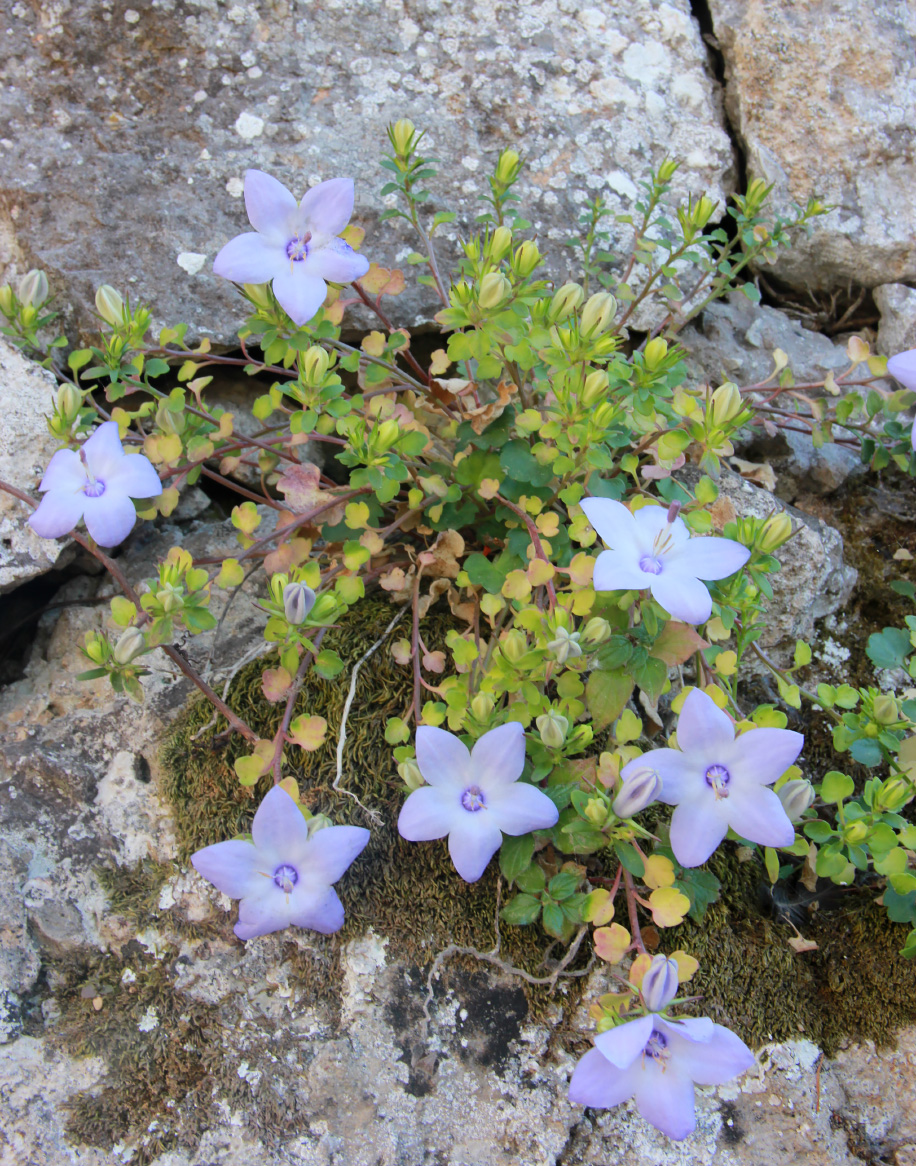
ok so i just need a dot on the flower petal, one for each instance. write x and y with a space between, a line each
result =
519 807
327 208
260 914
444 759
271 208
623 1044
498 757
757 814
329 852
232 867
320 911
428 813
614 523
598 1083
472 844
109 518
651 521
682 777
697 828
57 513
763 755
103 450
682 596
337 262
279 831
665 1098
135 476
299 294
615 571
702 726
903 368
250 258
713 1061
65 472
708 558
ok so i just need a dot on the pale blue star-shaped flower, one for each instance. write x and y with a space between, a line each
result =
96 484
294 244
284 876
653 549
903 368
658 1061
717 781
473 796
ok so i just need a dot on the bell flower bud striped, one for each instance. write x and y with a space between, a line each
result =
796 797
298 601
639 790
659 984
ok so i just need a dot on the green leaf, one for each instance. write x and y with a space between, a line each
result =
701 887
564 884
521 910
328 664
517 460
771 859
651 676
92 674
606 695
818 831
836 787
630 859
515 855
867 752
900 908
890 648
532 880
483 573
908 951
555 922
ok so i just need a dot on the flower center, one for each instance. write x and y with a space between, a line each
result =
297 249
286 877
93 488
657 1047
650 564
473 800
718 778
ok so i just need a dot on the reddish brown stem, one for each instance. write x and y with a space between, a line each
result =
536 543
280 738
631 910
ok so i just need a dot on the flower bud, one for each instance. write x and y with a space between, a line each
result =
885 710
482 706
500 242
775 531
401 134
411 775
596 812
796 797
168 421
6 301
507 167
526 258
565 646
667 170
855 832
130 644
96 647
604 414
654 353
298 601
69 402
565 300
726 404
259 295
639 790
110 305
553 729
33 288
659 984
598 314
594 390
315 364
894 794
514 645
170 598
702 212
326 608
387 435
596 631
494 290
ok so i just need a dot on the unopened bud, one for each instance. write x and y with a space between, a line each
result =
401 134
598 314
169 598
894 794
500 243
604 414
596 631
514 645
298 601
654 353
33 288
526 258
130 644
315 364
482 706
96 647
553 729
69 402
565 300
326 608
168 421
796 797
507 167
258 294
659 984
667 170
110 305
726 404
595 389
6 301
885 710
411 775
775 531
565 646
494 290
387 435
596 812
702 212
855 832
640 789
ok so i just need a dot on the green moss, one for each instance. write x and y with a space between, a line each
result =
134 891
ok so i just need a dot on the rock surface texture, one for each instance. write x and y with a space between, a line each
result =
128 131
823 100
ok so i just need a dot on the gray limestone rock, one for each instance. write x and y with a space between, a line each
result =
897 330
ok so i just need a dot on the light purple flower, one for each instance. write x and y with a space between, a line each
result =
283 877
659 984
718 781
96 484
653 548
294 244
473 796
903 368
658 1062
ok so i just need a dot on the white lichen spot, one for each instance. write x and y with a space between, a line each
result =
470 163
200 95
236 14
622 184
191 261
249 125
149 1020
235 187
833 653
131 15
128 976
